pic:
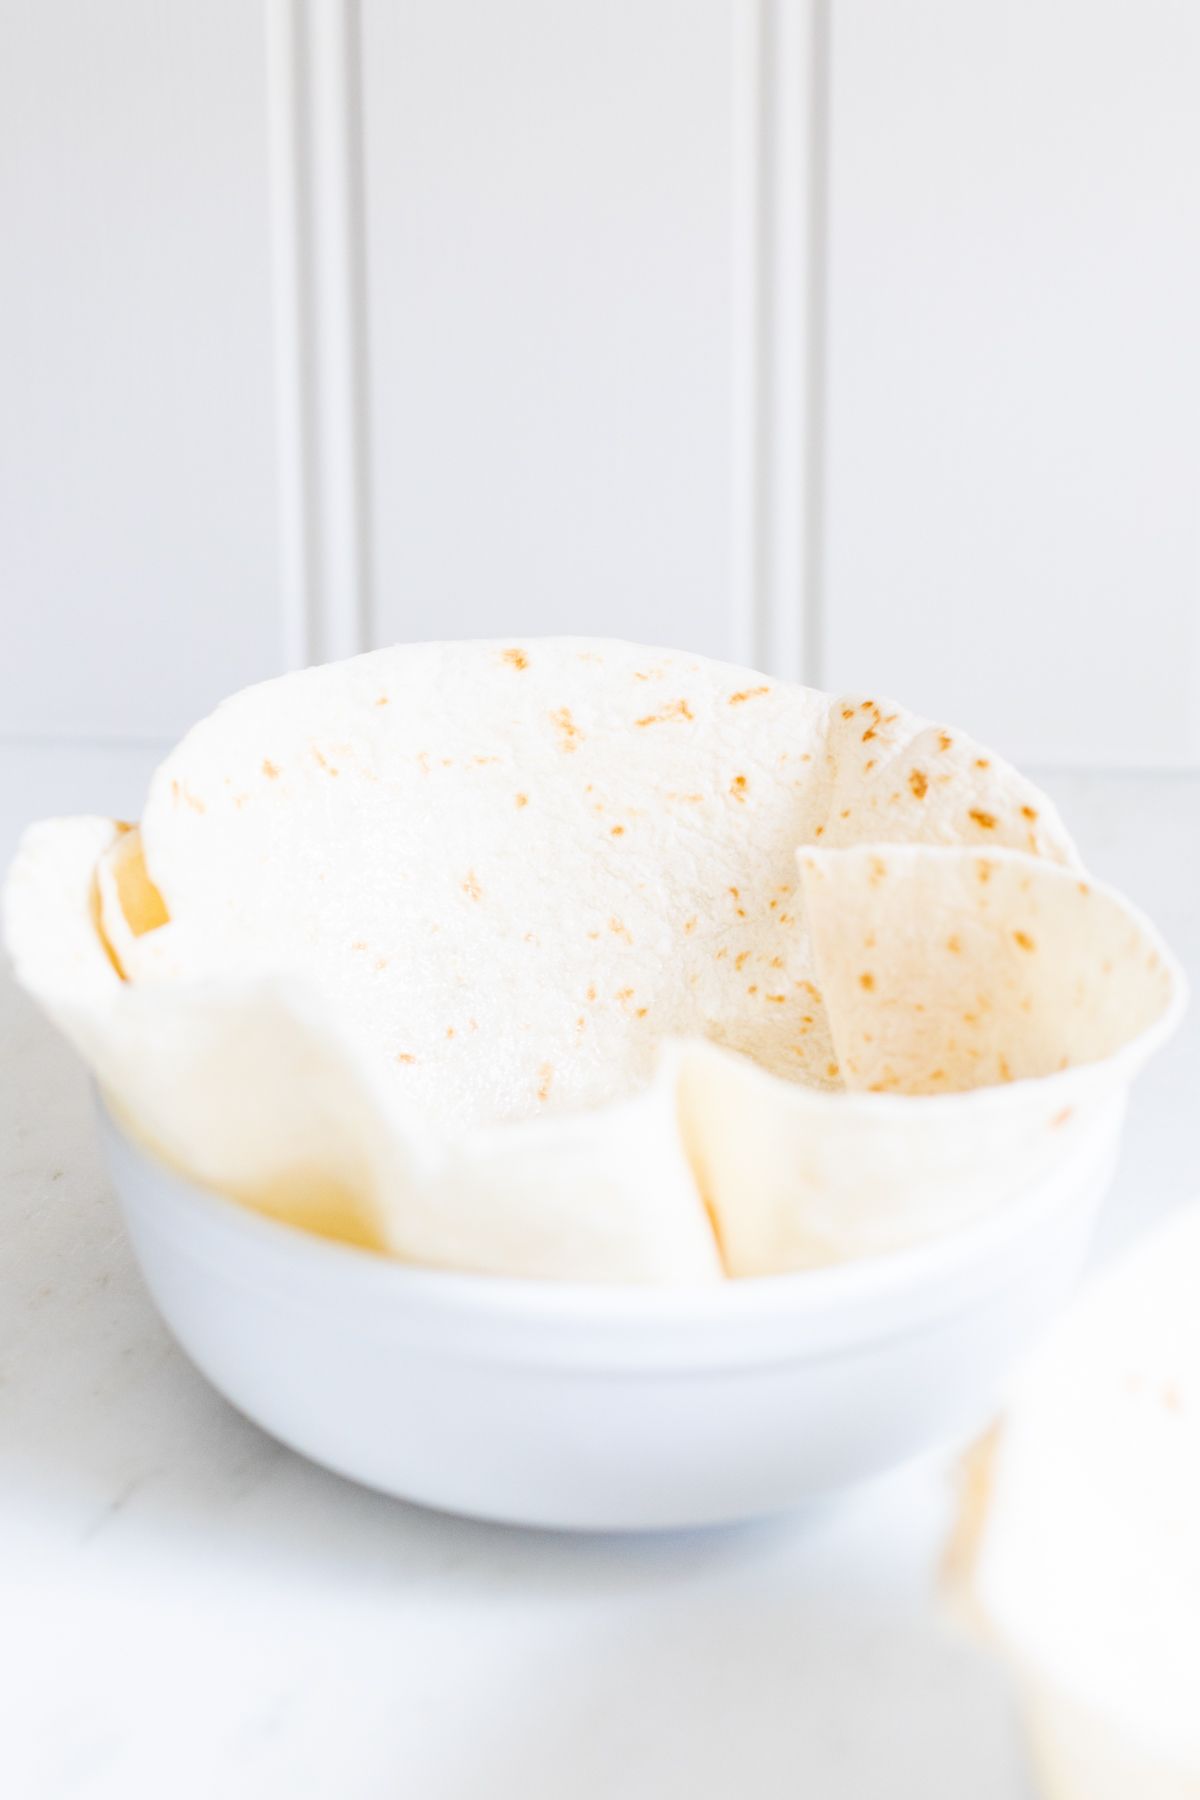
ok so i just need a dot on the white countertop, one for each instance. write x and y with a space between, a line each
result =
190 1610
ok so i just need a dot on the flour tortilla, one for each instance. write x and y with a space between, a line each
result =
1016 996
251 1087
1079 1548
461 951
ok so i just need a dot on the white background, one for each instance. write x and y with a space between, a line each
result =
852 337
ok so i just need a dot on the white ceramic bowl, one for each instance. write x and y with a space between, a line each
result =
615 1408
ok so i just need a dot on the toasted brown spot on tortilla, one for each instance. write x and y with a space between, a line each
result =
516 659
747 694
867 980
983 871
737 787
954 944
674 709
1006 1073
741 959
405 1056
986 821
620 930
878 870
623 994
753 988
777 999
521 800
471 886
1029 812
545 1081
845 813
981 762
847 712
820 831
918 781
868 734
1024 940
359 944
269 769
831 1069
786 919
944 740
689 927
449 1031
570 736
591 993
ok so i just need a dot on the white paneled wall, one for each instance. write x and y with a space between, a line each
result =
853 337
550 193
1013 450
138 537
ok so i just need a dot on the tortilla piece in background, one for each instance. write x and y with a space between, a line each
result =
1077 1550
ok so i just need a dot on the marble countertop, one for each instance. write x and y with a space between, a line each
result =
191 1610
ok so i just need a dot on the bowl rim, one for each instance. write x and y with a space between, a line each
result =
960 1265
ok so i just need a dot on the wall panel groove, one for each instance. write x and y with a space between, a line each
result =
314 80
780 70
